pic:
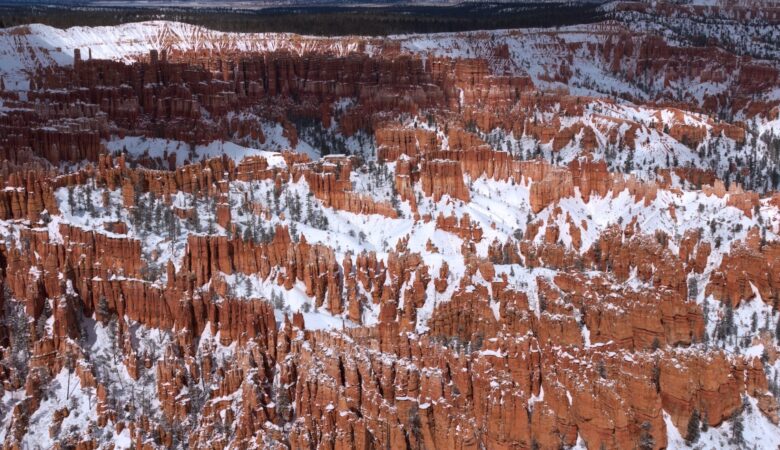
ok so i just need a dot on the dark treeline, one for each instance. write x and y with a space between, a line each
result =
318 20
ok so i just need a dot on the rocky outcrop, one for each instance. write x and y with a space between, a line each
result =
462 228
443 177
330 182
748 271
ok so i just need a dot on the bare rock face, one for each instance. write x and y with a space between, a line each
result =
439 178
392 142
462 228
330 183
555 185
748 271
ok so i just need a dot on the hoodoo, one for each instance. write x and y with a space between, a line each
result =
565 236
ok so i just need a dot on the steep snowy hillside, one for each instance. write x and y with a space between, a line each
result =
518 239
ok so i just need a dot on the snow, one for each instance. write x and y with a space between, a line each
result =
294 300
758 432
161 149
532 51
47 45
138 146
498 208
64 391
536 53
493 353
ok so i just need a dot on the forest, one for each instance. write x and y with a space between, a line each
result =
316 20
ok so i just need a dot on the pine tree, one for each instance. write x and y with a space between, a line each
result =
158 216
113 350
694 427
248 287
283 404
70 365
309 211
602 369
777 331
17 322
296 211
194 218
88 204
737 428
415 424
277 300
629 165
646 441
71 200
103 313
294 231
726 327
693 288
40 326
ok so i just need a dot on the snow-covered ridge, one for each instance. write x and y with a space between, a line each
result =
539 53
24 48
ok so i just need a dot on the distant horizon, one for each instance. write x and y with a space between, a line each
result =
320 18
251 4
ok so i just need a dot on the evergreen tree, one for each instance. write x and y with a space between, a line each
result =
693 288
737 428
40 326
112 332
88 204
71 200
629 165
248 287
17 323
602 369
646 441
103 313
694 427
194 219
777 331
